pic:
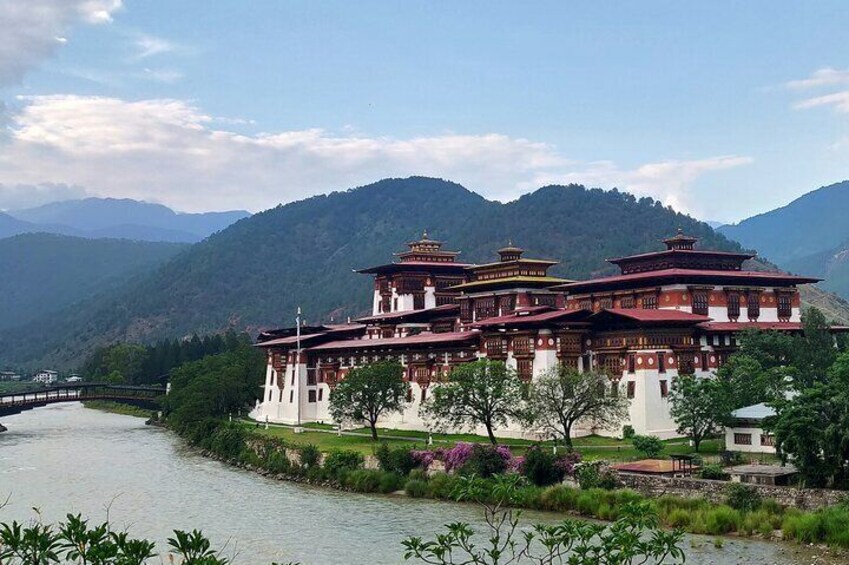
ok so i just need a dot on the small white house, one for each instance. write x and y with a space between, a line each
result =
74 379
46 376
9 376
746 431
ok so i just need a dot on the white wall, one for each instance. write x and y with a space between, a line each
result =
756 446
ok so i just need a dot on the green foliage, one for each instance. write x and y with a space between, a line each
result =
540 467
442 485
484 462
714 473
369 392
649 446
699 407
228 441
395 459
742 497
483 392
341 461
416 488
628 431
814 353
596 474
364 480
562 396
310 456
391 482
829 525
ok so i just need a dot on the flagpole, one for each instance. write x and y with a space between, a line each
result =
298 362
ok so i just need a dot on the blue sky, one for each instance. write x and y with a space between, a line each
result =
722 110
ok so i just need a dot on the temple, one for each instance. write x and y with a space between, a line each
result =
669 312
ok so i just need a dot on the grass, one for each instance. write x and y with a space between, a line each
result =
117 408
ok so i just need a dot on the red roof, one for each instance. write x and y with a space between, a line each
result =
293 339
424 338
528 318
756 277
443 309
649 315
697 252
417 265
740 326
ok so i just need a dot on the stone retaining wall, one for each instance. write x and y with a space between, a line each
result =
715 491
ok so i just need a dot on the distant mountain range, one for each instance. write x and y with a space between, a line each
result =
810 235
116 218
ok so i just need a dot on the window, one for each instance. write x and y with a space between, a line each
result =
605 303
269 396
632 362
320 394
311 395
700 302
522 346
293 378
424 394
507 303
418 301
395 305
785 305
742 439
525 368
704 361
767 440
733 305
664 389
466 311
279 397
650 302
484 308
627 302
661 363
546 300
409 394
311 377
753 305
291 396
631 387
586 304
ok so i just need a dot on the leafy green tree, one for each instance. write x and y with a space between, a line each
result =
369 392
483 392
815 351
748 382
813 429
562 396
649 446
634 538
699 407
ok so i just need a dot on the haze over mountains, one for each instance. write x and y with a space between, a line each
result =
810 235
116 218
255 273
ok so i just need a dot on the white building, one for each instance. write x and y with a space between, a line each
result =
746 433
46 377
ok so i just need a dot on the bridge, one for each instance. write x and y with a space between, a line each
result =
141 396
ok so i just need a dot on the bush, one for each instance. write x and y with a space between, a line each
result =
722 520
596 474
277 462
398 460
338 461
416 488
589 502
391 482
310 456
364 480
540 467
678 518
442 486
228 441
714 473
627 431
829 525
649 446
559 498
486 461
418 474
742 497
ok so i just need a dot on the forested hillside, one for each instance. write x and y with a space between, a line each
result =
41 274
811 224
258 271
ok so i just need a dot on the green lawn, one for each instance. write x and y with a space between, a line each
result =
591 447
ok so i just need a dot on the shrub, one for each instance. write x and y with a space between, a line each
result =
418 474
398 460
310 456
559 498
486 461
589 502
228 441
722 520
442 485
423 457
277 462
742 497
679 518
338 461
391 482
649 446
596 474
567 463
540 467
627 431
364 480
714 472
416 488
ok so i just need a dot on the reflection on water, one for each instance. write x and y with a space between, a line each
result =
65 458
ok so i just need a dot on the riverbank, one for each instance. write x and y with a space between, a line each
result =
117 408
744 515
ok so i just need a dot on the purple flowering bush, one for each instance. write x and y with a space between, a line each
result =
467 458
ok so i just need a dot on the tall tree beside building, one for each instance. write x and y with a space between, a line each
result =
485 393
815 351
369 392
561 397
699 407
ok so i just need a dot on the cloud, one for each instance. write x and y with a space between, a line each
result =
150 45
172 152
19 196
33 29
821 77
838 100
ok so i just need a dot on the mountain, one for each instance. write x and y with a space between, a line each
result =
10 226
44 273
811 224
123 218
256 273
832 265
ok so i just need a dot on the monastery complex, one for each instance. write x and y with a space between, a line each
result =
667 313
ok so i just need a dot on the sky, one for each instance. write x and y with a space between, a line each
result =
720 109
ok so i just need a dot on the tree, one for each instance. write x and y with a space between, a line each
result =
635 537
699 407
813 429
649 446
483 392
748 382
815 351
561 396
369 392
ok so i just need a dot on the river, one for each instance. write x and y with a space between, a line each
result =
65 458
